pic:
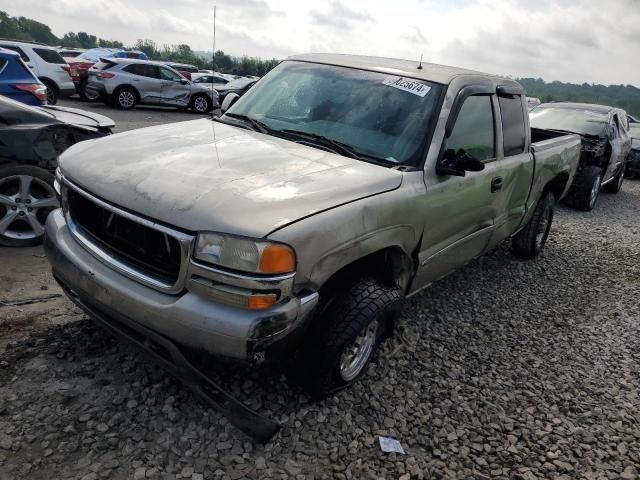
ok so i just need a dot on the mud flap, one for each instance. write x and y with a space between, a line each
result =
168 354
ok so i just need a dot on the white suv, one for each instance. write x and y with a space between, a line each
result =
47 65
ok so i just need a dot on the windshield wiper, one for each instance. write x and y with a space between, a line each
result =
339 147
257 125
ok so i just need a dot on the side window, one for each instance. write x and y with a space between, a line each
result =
616 127
134 68
513 126
220 81
49 55
473 131
151 71
167 74
17 50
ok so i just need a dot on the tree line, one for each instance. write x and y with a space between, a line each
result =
22 28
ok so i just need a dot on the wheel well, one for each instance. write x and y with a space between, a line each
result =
48 81
557 185
391 264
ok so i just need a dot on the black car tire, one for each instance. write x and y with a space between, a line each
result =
86 96
42 177
365 307
582 195
615 185
52 92
201 104
529 242
125 98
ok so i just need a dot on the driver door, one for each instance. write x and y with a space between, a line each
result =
460 210
176 90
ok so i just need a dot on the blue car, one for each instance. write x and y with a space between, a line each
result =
18 82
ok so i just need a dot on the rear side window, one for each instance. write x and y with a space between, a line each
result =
143 70
513 127
473 131
49 55
3 63
17 50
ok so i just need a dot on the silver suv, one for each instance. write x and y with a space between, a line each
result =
124 83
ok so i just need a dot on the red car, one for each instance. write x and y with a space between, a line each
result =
79 66
183 69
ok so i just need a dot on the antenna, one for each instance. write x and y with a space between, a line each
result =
420 64
213 57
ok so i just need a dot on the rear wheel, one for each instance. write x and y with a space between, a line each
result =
347 333
85 93
529 242
586 188
615 185
125 98
52 92
26 199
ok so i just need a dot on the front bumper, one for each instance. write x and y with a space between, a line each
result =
187 318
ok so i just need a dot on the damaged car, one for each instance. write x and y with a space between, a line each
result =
605 145
291 228
31 139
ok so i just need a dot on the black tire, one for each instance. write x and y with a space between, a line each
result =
584 185
615 185
529 242
41 188
85 95
52 92
125 98
348 313
201 104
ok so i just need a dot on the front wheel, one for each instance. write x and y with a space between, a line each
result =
201 104
586 188
347 334
529 242
615 185
26 199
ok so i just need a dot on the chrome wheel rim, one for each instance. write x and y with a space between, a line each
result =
355 357
543 226
126 99
200 104
594 191
25 202
620 179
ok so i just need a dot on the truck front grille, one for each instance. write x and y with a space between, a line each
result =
152 252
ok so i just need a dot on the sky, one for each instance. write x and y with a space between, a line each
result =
578 41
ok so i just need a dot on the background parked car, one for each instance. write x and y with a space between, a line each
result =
70 52
125 83
633 165
47 64
18 82
79 66
31 139
605 145
210 78
239 87
185 69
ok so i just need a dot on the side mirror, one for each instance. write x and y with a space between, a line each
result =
458 163
183 81
229 100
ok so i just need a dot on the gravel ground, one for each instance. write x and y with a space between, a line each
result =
505 369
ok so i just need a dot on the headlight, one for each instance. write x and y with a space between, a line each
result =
244 254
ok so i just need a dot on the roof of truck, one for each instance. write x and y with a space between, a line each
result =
430 71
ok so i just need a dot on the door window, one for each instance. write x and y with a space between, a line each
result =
49 55
143 70
473 131
17 50
167 74
513 126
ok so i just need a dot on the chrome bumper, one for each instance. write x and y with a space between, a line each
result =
188 318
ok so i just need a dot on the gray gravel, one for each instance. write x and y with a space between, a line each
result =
505 369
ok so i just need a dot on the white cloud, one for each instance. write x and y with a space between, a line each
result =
586 41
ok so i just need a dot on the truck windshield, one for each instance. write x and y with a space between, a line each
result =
583 122
377 116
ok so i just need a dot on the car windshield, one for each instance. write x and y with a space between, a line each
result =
376 115
583 122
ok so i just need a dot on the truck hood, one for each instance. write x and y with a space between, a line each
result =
207 176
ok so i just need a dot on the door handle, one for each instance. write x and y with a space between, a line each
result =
496 184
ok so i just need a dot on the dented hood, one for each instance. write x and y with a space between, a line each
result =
206 176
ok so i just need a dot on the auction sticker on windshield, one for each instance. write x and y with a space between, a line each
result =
408 85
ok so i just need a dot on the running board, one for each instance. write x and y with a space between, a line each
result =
258 427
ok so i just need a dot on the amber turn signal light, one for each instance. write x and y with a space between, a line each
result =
260 302
277 259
